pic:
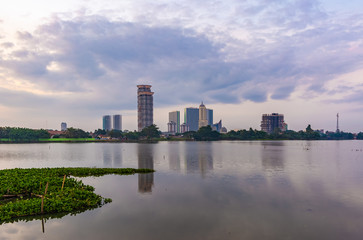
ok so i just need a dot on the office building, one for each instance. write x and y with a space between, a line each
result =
270 122
106 122
172 127
191 118
210 117
117 122
202 116
175 117
217 126
145 107
63 126
184 128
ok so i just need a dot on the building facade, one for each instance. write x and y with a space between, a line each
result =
270 122
184 128
106 122
191 118
63 126
210 117
217 126
172 127
117 122
203 121
145 107
175 117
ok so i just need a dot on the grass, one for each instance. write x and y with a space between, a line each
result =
22 191
66 139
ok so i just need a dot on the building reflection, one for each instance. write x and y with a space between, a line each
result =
145 160
202 161
117 156
112 155
174 156
272 155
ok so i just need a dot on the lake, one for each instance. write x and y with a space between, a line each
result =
206 190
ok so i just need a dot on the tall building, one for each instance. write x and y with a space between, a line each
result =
145 107
172 127
184 128
217 126
202 116
272 121
175 117
106 122
191 118
117 122
63 126
210 117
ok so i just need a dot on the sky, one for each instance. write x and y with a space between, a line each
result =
76 60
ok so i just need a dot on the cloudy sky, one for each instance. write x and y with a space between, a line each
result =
77 60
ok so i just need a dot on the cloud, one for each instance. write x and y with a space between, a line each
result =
249 51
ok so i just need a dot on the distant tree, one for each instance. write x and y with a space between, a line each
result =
150 132
75 133
115 133
100 132
132 135
206 134
360 135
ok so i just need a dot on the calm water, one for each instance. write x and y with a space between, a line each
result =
206 190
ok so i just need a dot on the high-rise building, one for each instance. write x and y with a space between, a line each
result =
172 127
184 128
202 116
217 126
145 106
106 122
210 117
272 121
191 118
63 126
175 117
117 122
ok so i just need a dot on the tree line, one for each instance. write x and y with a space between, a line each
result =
22 134
152 132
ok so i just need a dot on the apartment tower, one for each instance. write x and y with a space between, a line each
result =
117 122
106 122
203 118
270 122
145 107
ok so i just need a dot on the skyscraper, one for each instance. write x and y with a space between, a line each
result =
202 116
191 118
272 121
106 122
145 107
117 122
175 117
63 126
210 117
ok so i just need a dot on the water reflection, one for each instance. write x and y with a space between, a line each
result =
145 154
174 156
272 156
199 157
112 155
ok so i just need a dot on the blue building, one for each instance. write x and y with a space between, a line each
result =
210 117
191 118
106 122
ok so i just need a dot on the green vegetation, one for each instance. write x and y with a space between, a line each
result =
66 140
22 191
22 134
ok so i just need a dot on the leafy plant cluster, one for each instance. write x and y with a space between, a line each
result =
21 190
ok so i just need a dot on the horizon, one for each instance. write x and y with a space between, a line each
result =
76 61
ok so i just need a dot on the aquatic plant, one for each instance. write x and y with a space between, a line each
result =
38 191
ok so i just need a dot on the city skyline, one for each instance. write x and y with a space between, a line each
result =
76 60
